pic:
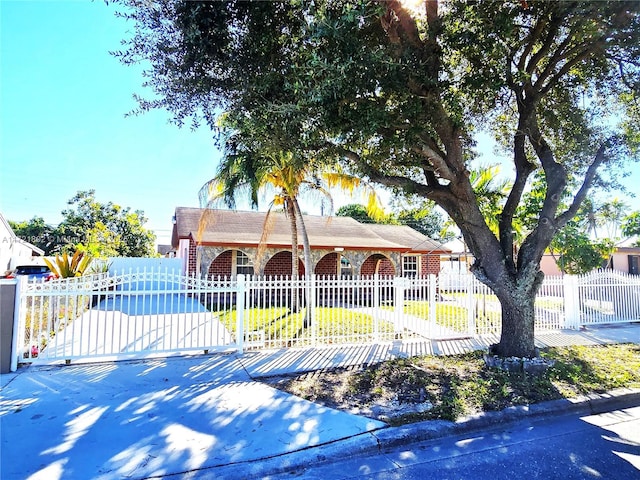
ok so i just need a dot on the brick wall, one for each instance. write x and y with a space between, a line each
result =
430 265
280 264
191 267
222 265
369 266
386 268
328 265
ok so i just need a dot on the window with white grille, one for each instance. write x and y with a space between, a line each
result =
346 269
244 265
410 266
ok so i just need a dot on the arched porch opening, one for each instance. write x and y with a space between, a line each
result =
230 263
335 264
378 264
280 265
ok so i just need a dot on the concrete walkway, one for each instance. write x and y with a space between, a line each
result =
206 416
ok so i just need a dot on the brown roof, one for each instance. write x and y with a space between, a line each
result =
236 228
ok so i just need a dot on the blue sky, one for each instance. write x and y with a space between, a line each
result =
63 128
63 103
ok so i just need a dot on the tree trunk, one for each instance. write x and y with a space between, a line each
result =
517 300
517 335
293 224
308 265
295 304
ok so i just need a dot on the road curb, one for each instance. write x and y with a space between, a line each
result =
432 429
390 437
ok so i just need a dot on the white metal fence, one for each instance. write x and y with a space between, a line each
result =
608 297
160 312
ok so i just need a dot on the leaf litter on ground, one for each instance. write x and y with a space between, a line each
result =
407 390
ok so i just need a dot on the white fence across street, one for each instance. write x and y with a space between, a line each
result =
160 312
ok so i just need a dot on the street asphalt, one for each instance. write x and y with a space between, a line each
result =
206 417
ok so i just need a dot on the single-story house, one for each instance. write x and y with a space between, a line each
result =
14 251
166 251
226 243
625 258
459 259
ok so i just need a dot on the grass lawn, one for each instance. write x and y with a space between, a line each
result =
331 325
461 385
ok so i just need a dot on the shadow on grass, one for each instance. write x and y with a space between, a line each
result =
457 386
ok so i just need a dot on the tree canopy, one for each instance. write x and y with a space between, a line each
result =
631 225
397 94
99 229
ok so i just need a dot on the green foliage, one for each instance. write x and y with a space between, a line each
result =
419 215
100 266
574 247
105 230
36 232
631 225
355 211
67 267
101 230
577 253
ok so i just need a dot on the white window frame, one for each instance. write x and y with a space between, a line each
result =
242 263
344 271
414 271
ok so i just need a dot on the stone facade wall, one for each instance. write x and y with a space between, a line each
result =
218 261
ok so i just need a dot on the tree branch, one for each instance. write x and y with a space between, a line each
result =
590 175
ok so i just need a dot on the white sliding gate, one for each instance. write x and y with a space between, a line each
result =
130 314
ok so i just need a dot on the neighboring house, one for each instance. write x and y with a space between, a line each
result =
227 243
13 250
166 251
625 259
458 260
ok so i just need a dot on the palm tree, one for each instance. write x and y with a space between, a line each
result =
490 192
610 215
289 176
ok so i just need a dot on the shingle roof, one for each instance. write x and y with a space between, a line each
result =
227 227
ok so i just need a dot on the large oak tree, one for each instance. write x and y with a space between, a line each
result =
398 95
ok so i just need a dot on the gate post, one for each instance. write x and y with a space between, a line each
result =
18 324
7 324
433 304
398 284
240 297
471 305
571 302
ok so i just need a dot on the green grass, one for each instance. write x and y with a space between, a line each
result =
461 385
452 316
331 324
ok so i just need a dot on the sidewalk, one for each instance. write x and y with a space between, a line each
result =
205 416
